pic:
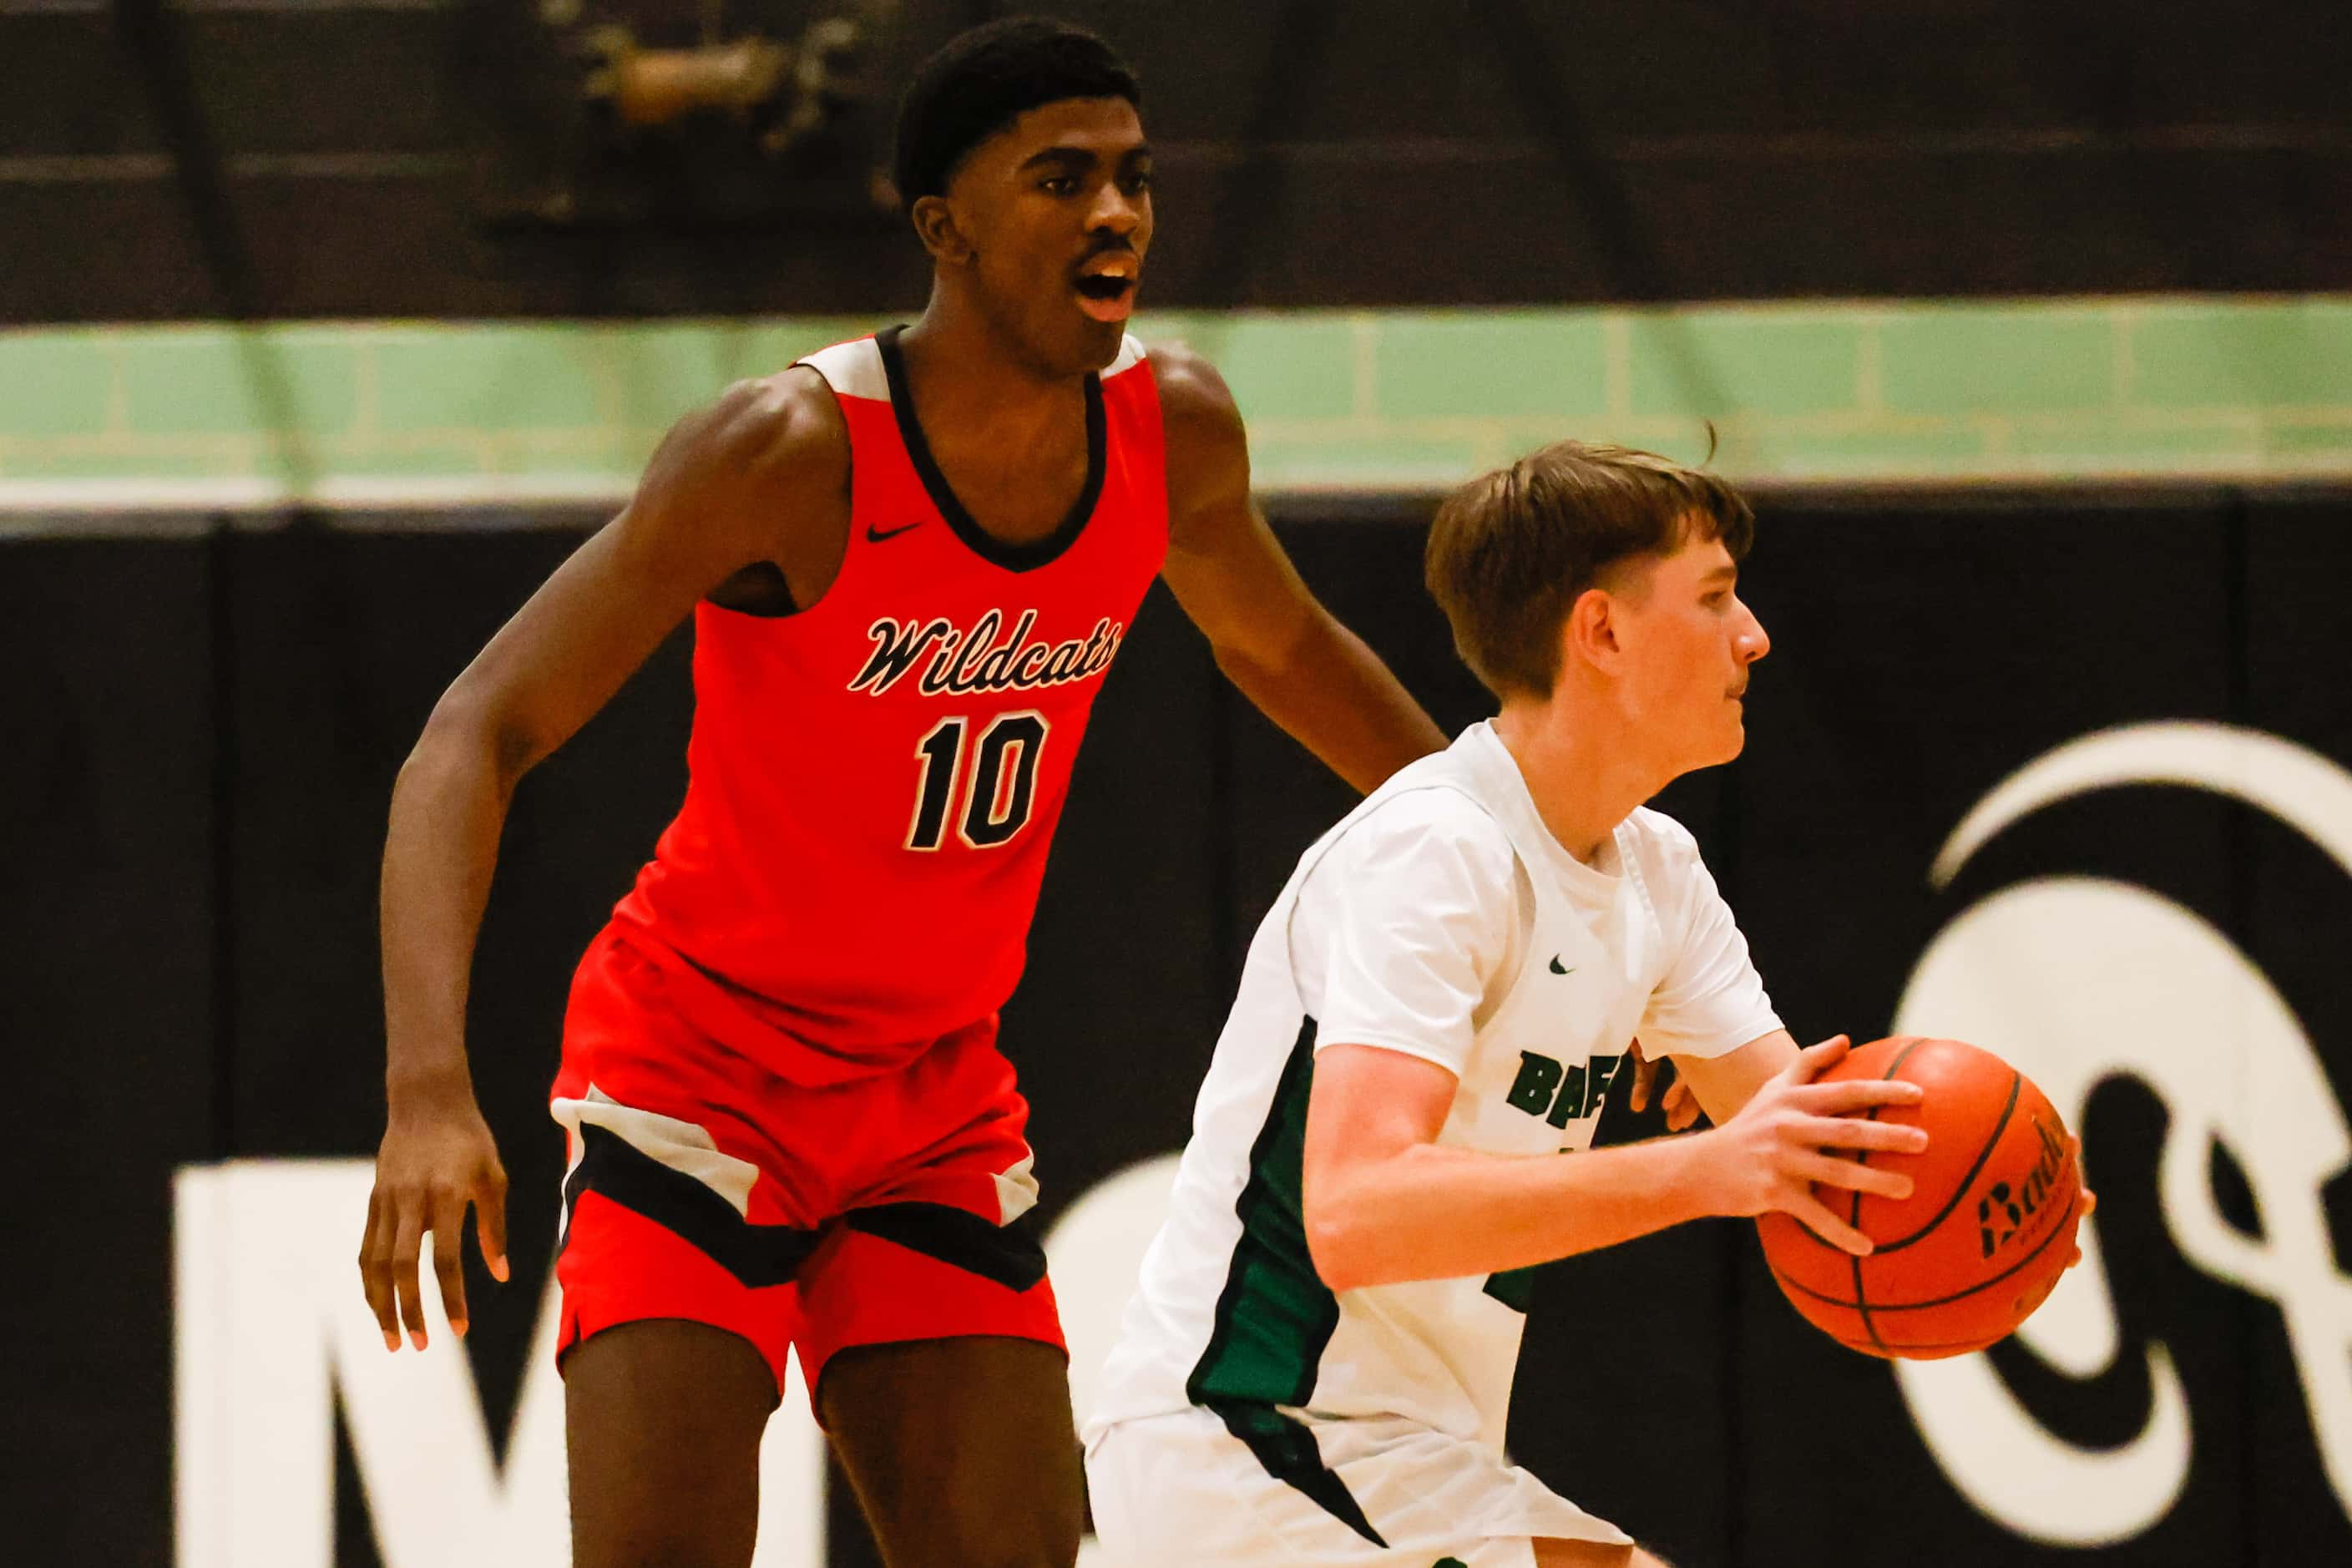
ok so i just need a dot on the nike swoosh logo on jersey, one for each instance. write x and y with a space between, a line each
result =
876 536
1556 969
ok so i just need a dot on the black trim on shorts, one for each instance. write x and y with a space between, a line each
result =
610 1166
1009 1255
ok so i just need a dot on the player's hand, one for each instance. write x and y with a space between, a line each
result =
1792 1134
1680 1104
432 1164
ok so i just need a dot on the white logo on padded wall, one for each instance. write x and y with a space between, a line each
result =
272 1334
2079 979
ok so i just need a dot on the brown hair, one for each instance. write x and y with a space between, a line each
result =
1510 552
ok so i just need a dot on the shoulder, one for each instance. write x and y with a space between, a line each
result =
1191 390
762 454
1432 828
1667 854
1425 871
1208 451
1654 830
783 426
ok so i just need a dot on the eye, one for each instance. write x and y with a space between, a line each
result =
1136 185
1059 185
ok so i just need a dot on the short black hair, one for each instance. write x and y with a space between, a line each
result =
980 81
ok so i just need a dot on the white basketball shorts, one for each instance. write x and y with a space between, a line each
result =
1182 1490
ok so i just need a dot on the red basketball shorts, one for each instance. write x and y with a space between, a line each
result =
817 1212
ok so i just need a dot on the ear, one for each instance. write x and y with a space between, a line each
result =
1592 631
936 224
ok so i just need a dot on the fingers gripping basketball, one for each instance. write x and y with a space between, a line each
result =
1783 1152
1986 1231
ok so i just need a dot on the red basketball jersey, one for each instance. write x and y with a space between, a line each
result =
875 779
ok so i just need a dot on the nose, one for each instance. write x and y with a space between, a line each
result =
1114 211
1751 641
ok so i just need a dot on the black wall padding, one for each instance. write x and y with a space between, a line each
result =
108 920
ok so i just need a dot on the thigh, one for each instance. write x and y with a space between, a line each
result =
1179 1490
961 1450
662 1425
938 1240
673 1204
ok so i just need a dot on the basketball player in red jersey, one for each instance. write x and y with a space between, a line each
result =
910 559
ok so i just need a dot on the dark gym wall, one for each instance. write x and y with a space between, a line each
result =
301 158
204 730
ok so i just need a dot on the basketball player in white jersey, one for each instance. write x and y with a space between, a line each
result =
1317 1366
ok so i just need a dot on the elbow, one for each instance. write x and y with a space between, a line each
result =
1243 666
1336 1245
463 735
1272 652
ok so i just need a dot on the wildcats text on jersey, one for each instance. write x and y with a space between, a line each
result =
963 661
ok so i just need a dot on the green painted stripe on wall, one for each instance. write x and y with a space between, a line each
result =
425 413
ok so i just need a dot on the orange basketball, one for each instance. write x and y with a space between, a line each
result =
1985 1233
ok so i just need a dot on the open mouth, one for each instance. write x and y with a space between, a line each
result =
1106 292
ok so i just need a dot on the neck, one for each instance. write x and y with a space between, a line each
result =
972 370
1586 772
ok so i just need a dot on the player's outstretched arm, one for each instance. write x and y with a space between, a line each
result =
1385 1202
1302 668
760 475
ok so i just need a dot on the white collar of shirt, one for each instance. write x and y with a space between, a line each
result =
1491 762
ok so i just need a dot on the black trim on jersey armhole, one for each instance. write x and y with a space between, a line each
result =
982 544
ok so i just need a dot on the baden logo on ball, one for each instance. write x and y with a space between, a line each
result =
1983 1238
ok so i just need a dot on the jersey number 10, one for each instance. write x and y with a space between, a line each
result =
1000 790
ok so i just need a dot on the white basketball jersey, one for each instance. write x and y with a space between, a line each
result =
1566 963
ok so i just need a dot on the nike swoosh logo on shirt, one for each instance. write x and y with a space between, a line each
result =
1556 969
876 536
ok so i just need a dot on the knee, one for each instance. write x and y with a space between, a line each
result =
1032 1544
999 1537
1591 1554
983 1532
658 1547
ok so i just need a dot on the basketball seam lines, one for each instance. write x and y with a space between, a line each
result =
1853 1218
2039 1249
2015 1079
